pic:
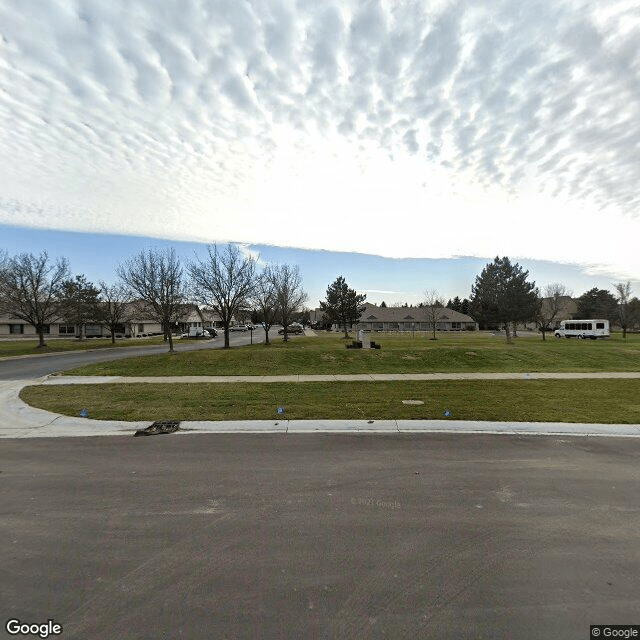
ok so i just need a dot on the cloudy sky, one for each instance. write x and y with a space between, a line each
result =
428 129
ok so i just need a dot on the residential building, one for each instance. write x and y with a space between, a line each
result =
375 318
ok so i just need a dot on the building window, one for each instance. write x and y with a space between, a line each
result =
16 328
93 330
140 328
67 330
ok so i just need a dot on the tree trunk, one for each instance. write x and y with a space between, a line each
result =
344 326
170 342
41 342
226 337
544 333
507 330
266 336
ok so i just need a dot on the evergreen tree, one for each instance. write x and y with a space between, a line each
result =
597 303
79 303
343 305
501 295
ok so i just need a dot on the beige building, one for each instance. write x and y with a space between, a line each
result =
375 318
138 322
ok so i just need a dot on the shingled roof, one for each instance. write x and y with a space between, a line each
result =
374 313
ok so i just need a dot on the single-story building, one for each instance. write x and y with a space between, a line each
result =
138 321
375 318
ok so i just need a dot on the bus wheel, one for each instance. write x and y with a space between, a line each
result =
580 337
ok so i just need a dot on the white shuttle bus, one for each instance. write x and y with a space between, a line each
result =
583 329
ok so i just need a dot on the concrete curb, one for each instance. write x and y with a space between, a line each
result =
23 421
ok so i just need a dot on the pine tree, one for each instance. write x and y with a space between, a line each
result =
343 305
501 295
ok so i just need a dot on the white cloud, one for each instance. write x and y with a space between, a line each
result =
378 127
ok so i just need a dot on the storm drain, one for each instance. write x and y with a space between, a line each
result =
159 427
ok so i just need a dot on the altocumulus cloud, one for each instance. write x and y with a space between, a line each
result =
395 128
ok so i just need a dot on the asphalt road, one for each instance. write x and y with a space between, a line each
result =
321 536
33 367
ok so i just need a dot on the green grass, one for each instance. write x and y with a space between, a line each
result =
9 348
605 401
326 354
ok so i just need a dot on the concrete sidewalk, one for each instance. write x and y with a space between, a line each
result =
23 421
356 377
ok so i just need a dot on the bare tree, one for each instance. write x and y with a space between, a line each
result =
114 307
265 299
223 281
434 304
156 277
624 293
30 287
289 294
552 305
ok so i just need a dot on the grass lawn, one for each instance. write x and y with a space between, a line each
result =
451 352
605 401
30 347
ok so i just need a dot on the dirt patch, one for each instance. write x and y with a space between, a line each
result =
327 356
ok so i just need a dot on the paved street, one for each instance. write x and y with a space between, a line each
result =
36 366
318 536
397 529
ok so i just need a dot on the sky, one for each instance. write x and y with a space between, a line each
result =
392 280
400 144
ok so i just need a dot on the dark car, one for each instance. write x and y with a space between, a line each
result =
293 328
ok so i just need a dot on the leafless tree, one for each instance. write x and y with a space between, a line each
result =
434 304
30 288
290 295
265 299
551 307
624 293
223 281
114 307
155 276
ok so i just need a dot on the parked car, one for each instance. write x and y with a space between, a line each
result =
197 332
238 327
295 327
